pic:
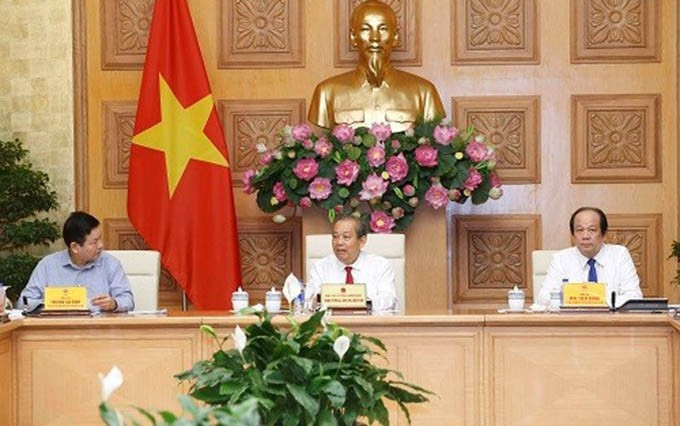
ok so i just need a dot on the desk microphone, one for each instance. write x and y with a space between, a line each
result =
613 308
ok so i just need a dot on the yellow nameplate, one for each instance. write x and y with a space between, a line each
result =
65 298
344 295
584 294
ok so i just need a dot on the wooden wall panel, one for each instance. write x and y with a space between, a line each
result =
497 255
615 138
494 32
125 28
512 125
261 34
605 32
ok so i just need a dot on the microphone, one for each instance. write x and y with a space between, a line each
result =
613 308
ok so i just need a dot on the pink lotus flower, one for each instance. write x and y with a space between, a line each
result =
302 132
381 222
373 187
473 180
381 131
396 144
398 212
323 147
320 188
443 135
409 190
397 167
305 202
437 196
494 180
306 168
279 192
376 155
247 180
266 158
426 156
308 144
476 151
347 172
344 133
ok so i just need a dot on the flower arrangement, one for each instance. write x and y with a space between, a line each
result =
374 172
310 373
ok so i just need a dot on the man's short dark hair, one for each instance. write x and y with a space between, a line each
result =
360 226
603 218
77 227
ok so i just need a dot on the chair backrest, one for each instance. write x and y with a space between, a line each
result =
390 246
143 268
540 259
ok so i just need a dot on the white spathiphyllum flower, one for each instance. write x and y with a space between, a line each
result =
325 319
279 218
258 307
110 382
239 339
341 345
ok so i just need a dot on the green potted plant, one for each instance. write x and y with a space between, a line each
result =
24 193
309 373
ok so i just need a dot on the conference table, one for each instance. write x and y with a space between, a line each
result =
487 368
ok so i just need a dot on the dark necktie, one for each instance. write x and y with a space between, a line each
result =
349 279
592 273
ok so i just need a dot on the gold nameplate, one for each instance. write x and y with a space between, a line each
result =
344 296
65 298
584 294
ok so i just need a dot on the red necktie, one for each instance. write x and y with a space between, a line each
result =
349 279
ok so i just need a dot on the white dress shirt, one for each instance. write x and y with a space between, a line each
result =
374 271
614 268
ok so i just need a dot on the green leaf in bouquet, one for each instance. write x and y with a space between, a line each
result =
481 193
343 192
398 192
353 152
368 140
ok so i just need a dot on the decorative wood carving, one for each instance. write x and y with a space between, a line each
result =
261 34
640 233
119 234
615 31
125 26
248 123
269 252
119 124
406 53
494 32
491 255
616 138
512 125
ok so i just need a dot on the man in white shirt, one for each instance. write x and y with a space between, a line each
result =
349 264
612 264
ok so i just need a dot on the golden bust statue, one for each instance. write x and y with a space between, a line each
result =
374 92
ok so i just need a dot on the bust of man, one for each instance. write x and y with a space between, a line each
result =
374 92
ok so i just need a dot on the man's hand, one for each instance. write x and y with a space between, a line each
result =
104 302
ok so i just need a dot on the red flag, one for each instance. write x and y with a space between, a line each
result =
180 195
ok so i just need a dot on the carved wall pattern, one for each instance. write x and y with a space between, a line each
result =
406 53
494 32
269 252
125 32
512 125
119 123
615 31
640 234
494 255
261 34
616 138
249 123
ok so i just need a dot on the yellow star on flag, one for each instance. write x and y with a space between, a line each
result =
180 134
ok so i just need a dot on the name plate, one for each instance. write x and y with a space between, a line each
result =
584 294
65 298
344 296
